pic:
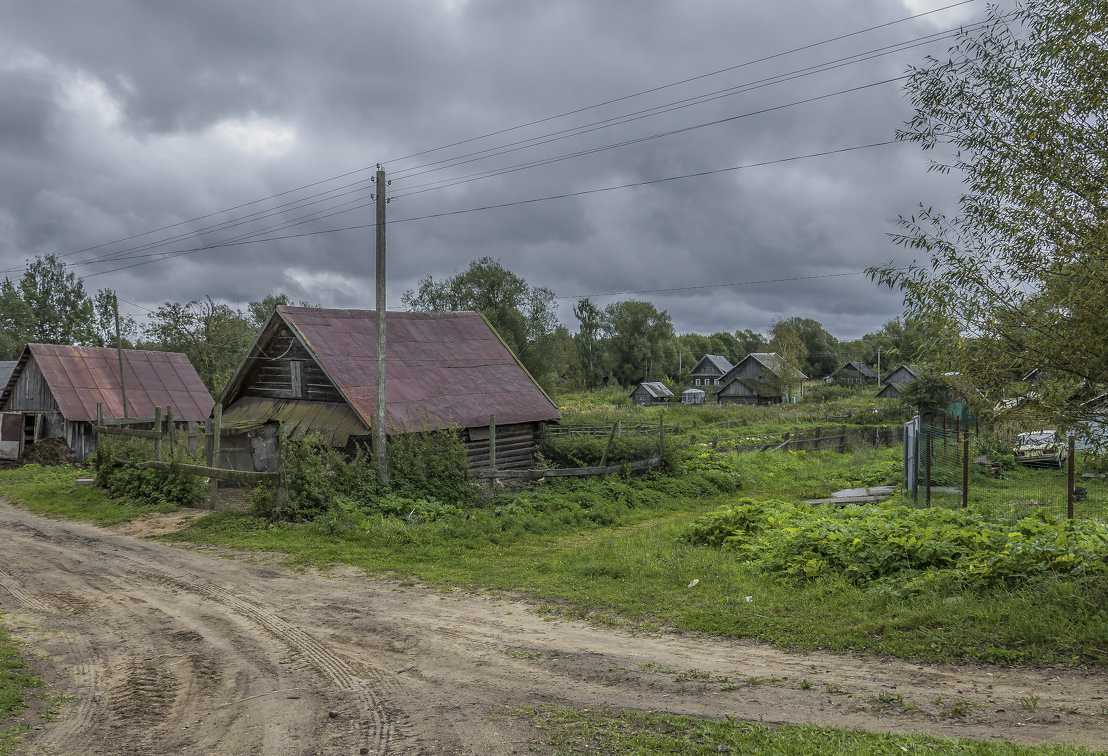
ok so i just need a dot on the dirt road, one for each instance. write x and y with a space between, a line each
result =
172 650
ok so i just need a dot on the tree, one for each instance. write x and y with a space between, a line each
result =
637 338
524 316
213 336
1019 273
259 311
105 306
590 320
788 345
48 305
822 355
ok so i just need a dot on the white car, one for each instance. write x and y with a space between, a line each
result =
1045 447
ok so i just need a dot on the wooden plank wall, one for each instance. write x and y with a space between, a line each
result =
287 371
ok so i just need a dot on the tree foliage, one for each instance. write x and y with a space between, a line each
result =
47 305
213 336
1019 274
524 316
637 336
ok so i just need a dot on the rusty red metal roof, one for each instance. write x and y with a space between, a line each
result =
79 377
441 369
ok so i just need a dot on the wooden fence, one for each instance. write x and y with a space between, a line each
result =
163 432
839 438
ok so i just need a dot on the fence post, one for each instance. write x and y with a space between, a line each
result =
492 452
842 439
158 430
965 468
927 466
191 432
608 446
1070 493
217 427
661 435
818 437
172 431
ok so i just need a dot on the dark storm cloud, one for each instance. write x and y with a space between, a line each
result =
123 117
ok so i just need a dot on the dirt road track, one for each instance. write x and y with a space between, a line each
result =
173 650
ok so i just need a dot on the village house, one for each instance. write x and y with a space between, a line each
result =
896 381
761 378
651 392
54 389
312 370
708 371
853 373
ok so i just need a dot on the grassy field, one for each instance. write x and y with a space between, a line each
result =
633 734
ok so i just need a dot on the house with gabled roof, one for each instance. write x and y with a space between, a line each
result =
895 382
707 373
761 378
853 373
651 392
54 390
313 370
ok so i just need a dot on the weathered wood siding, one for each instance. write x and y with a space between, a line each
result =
736 393
288 371
516 446
31 393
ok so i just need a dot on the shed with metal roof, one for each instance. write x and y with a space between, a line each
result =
312 369
54 390
651 392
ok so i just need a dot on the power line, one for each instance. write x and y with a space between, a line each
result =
515 203
714 286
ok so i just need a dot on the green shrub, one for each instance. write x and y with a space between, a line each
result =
580 450
903 549
115 471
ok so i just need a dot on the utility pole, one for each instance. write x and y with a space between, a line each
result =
379 418
119 351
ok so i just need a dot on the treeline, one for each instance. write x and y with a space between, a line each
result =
623 342
49 305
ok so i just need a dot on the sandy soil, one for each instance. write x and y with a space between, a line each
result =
174 650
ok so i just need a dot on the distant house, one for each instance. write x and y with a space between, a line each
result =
312 369
895 382
760 378
853 373
651 392
708 371
53 391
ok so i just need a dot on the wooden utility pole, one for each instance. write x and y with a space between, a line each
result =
379 417
119 351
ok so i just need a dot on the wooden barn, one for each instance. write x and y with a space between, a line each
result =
708 372
312 369
897 380
53 391
651 392
759 378
854 373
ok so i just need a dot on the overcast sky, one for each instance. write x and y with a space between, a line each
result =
121 117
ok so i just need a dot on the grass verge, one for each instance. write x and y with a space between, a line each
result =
16 679
634 734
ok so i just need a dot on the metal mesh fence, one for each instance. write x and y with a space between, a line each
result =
946 465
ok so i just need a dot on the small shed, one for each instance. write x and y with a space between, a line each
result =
692 396
760 378
854 373
312 369
651 392
53 391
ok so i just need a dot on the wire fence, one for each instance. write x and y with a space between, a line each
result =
944 465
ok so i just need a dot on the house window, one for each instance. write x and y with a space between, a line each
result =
697 381
717 381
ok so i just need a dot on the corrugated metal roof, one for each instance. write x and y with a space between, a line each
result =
6 368
80 377
656 389
443 368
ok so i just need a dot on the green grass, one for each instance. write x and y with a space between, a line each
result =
634 734
54 491
16 680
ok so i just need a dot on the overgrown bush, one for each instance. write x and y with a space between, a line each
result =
903 550
580 450
428 470
115 471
